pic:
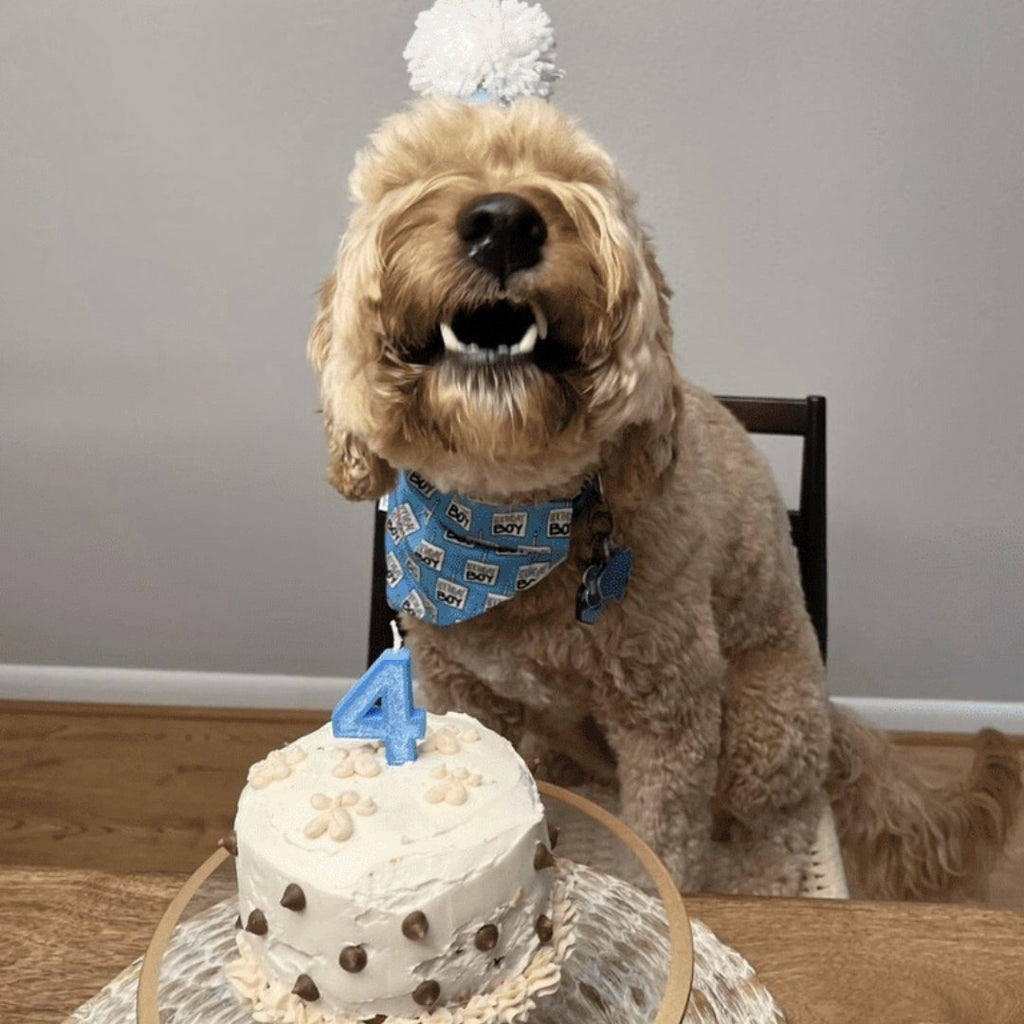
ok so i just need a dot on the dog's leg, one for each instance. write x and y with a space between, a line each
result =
663 719
664 782
775 748
772 856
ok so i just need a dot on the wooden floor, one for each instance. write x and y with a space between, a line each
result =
152 789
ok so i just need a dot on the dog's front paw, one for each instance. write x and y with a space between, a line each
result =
758 783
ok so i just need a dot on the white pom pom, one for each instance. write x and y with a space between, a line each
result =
493 49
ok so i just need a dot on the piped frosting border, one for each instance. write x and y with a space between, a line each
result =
272 1002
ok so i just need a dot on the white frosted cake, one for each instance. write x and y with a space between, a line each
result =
423 890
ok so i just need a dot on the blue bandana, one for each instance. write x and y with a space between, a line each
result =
449 558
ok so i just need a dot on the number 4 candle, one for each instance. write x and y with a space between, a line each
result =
380 707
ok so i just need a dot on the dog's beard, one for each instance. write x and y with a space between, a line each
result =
480 395
500 410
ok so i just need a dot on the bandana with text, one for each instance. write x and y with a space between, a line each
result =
449 558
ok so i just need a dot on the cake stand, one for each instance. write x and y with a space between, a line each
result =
632 963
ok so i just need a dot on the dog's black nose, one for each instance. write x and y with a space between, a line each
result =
503 233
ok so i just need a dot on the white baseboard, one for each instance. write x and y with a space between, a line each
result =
908 714
312 693
166 688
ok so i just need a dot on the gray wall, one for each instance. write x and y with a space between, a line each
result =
837 194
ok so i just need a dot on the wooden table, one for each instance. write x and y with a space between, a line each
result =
65 933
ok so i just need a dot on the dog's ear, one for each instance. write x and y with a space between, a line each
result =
354 470
645 453
319 345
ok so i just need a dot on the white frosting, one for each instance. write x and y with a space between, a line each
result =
511 1000
451 835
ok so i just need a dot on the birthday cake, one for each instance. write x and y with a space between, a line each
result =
422 891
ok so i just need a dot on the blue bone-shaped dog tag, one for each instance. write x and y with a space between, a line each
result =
603 580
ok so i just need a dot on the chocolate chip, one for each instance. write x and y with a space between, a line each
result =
353 959
379 1019
553 834
542 858
415 926
257 923
544 928
230 843
486 938
305 988
293 898
427 993
238 921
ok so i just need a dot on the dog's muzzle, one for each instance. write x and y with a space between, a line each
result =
501 233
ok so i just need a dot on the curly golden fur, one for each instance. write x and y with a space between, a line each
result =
702 693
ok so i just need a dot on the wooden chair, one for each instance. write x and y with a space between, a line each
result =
800 417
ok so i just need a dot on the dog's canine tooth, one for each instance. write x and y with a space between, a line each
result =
526 344
542 321
451 339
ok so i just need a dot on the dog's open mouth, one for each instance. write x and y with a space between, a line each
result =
497 333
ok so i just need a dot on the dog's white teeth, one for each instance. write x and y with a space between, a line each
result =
526 344
451 339
542 322
474 353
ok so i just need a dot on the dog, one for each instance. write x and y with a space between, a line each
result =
497 326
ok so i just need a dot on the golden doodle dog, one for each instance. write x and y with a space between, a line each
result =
498 327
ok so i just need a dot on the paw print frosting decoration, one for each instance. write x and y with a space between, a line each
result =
334 817
277 765
452 787
362 761
447 740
